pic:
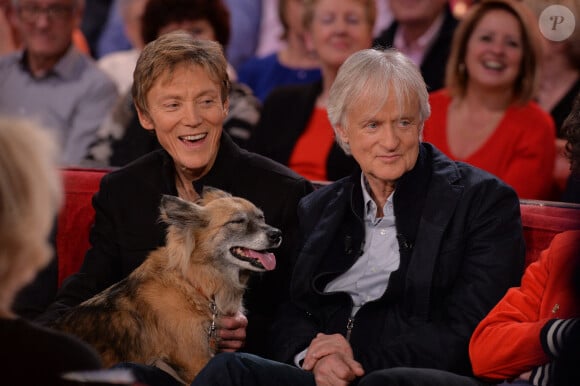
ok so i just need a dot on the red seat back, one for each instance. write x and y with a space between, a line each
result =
542 220
75 218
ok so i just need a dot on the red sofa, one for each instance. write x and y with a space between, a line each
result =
541 220
76 217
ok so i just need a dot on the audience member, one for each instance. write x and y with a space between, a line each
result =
294 63
10 40
94 19
523 336
181 93
30 196
268 41
399 261
559 78
423 31
121 139
294 128
571 131
119 65
113 36
245 25
485 116
51 81
271 27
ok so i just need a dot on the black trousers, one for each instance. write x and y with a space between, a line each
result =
241 369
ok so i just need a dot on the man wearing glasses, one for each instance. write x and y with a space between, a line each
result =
52 82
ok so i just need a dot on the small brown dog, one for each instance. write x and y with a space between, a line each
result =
166 310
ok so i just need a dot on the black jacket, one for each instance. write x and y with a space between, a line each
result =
461 245
435 59
126 226
285 114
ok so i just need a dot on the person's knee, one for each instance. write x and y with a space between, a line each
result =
392 377
407 376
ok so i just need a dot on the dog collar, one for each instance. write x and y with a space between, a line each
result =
212 337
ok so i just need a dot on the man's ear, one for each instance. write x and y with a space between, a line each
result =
145 119
226 107
342 133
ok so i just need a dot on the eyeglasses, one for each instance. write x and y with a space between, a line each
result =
31 13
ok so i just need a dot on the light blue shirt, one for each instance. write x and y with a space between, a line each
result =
368 278
70 101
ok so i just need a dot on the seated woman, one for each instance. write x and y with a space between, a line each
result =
485 116
294 128
30 196
559 82
524 335
293 64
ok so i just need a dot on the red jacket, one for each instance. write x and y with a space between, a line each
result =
509 341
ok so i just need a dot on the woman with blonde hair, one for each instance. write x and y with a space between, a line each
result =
30 196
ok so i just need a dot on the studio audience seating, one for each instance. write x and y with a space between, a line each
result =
75 218
542 220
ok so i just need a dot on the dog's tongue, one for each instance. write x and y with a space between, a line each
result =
268 259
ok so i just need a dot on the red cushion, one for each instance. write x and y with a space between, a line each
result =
76 218
542 220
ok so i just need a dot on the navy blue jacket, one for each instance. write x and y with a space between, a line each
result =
461 245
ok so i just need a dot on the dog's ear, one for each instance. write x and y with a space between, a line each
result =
210 193
181 213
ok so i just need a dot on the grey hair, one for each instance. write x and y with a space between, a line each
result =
378 73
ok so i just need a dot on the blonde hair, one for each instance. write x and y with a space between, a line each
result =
30 196
456 76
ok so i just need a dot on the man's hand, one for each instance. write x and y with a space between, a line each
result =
336 370
232 332
331 360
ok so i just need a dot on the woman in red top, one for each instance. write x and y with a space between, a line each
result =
533 333
525 331
485 116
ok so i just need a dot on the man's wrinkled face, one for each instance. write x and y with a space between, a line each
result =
383 140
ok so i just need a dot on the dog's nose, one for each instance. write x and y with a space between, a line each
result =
275 236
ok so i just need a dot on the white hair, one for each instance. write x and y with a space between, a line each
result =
377 73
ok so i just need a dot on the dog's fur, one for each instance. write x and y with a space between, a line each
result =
161 311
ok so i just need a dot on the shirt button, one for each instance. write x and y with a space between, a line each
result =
383 232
